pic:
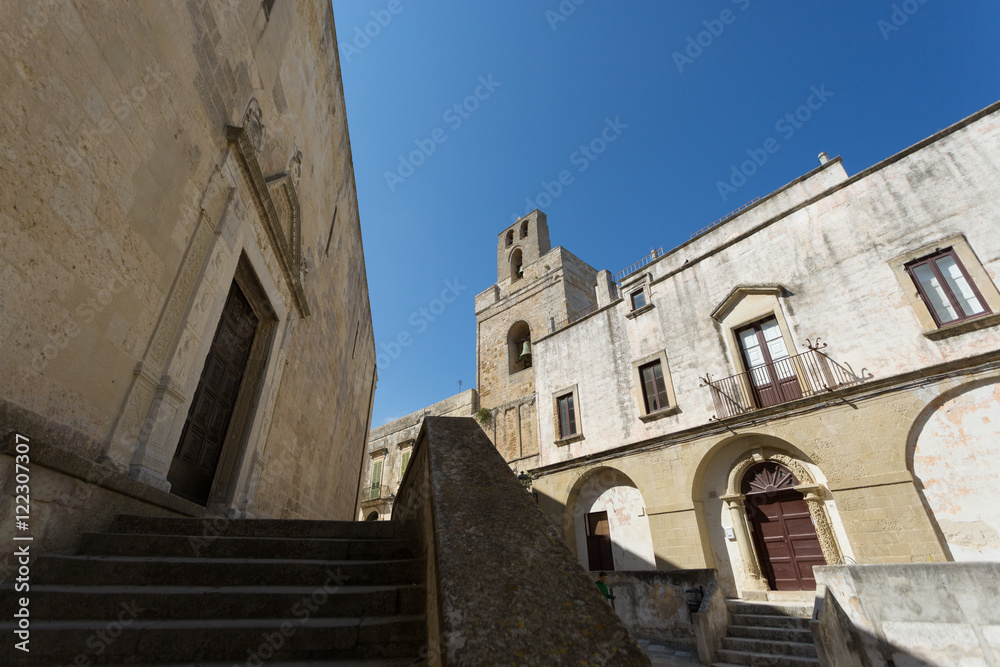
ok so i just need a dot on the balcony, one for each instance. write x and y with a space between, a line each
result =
788 379
375 494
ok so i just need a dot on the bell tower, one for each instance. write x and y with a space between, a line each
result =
538 287
521 244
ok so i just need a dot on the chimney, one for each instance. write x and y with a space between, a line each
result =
823 158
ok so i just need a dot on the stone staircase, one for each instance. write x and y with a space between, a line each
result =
768 634
159 591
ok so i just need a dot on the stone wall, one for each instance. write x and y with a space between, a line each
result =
502 587
390 440
652 604
130 211
929 614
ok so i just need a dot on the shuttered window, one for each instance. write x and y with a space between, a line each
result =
654 389
567 416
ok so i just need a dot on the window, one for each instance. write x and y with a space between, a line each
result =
638 299
651 388
567 416
524 229
654 389
766 359
406 462
510 238
946 289
377 473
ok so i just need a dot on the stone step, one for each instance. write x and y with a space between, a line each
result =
61 603
255 641
175 571
289 528
768 621
133 544
334 662
772 646
748 659
771 633
791 609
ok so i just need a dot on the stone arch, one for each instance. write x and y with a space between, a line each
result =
606 488
524 229
509 241
716 491
518 334
953 453
372 516
516 265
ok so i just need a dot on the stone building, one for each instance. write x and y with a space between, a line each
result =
185 319
389 449
812 380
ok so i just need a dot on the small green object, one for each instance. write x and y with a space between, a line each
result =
484 416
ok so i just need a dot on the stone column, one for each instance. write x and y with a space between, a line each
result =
753 579
814 495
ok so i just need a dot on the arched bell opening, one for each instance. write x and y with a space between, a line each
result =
519 347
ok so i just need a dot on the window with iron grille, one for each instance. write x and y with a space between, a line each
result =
654 388
946 288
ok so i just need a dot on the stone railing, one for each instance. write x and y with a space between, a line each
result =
502 586
917 614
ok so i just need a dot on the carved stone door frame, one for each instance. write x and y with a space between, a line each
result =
814 494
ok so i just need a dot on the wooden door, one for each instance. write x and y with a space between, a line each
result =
772 373
782 527
599 542
197 456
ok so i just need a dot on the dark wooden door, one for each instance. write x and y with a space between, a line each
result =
785 539
599 542
197 455
772 373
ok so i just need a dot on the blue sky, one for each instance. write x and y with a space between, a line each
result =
689 88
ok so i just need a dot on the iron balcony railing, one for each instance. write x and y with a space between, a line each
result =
371 493
788 379
653 254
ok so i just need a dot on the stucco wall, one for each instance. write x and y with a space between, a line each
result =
957 463
831 255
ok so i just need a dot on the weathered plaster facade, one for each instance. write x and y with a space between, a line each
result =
153 160
894 465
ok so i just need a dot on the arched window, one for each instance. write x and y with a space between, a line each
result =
510 238
516 267
372 517
524 229
519 347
